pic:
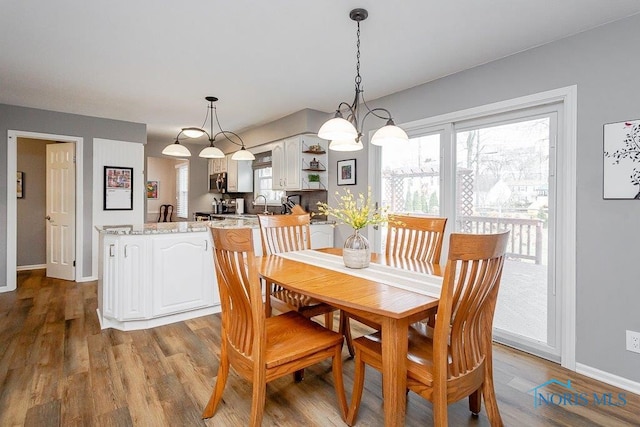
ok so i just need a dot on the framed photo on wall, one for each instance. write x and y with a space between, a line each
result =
152 189
347 172
118 188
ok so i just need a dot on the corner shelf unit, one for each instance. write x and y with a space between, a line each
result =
313 150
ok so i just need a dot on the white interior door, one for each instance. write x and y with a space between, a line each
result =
61 218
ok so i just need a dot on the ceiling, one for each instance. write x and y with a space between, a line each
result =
154 61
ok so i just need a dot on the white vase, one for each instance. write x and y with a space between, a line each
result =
356 252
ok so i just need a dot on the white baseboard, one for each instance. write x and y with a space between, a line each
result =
608 378
31 267
87 279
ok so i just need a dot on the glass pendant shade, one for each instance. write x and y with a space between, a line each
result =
193 132
338 129
243 154
211 152
176 150
345 145
389 134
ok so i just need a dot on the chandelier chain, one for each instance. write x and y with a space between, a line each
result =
358 77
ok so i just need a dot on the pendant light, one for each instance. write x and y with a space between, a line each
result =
210 152
346 134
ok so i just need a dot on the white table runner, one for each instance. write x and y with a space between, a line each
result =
421 283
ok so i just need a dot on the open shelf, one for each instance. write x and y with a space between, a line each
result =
314 152
315 170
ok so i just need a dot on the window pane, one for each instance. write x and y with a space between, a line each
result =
411 176
182 190
262 186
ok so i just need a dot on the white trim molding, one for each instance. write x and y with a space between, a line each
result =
609 378
12 215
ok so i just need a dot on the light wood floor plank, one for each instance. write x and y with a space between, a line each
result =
58 368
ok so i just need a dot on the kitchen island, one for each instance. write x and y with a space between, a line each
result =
155 274
160 273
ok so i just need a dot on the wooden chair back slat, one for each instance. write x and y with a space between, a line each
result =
285 233
415 237
469 292
240 293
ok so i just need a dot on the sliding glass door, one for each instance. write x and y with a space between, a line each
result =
491 174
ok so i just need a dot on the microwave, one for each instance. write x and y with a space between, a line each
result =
218 183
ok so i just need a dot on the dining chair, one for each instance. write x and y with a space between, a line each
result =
285 233
455 361
415 238
259 348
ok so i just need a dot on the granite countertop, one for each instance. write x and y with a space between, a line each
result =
177 227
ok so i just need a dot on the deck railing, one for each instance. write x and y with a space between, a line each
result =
525 239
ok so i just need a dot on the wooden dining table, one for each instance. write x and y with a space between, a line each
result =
393 308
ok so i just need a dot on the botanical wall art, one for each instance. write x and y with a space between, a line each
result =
622 160
152 189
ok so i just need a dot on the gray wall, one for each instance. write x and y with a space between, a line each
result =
50 122
604 65
31 209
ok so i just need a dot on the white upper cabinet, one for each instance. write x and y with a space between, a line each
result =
285 161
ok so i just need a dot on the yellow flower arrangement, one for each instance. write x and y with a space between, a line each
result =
355 212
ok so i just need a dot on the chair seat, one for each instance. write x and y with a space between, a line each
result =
284 342
419 355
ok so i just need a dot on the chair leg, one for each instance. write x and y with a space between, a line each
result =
221 381
268 310
345 330
475 402
358 385
258 398
328 320
489 393
338 382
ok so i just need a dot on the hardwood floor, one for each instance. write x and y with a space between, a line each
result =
58 368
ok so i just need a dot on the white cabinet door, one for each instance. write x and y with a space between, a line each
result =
182 273
285 161
108 276
292 163
232 175
219 165
133 287
278 166
321 236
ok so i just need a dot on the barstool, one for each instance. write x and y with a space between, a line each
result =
166 211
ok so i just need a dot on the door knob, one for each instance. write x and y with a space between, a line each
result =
48 218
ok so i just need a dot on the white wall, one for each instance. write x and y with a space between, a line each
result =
116 153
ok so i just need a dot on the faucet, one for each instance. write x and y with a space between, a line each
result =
266 211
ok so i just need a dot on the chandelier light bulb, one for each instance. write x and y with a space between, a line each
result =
193 132
345 145
176 150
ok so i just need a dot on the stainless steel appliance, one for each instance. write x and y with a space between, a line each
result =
218 183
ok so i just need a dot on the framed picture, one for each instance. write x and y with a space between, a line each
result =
118 188
152 189
19 190
347 172
621 171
